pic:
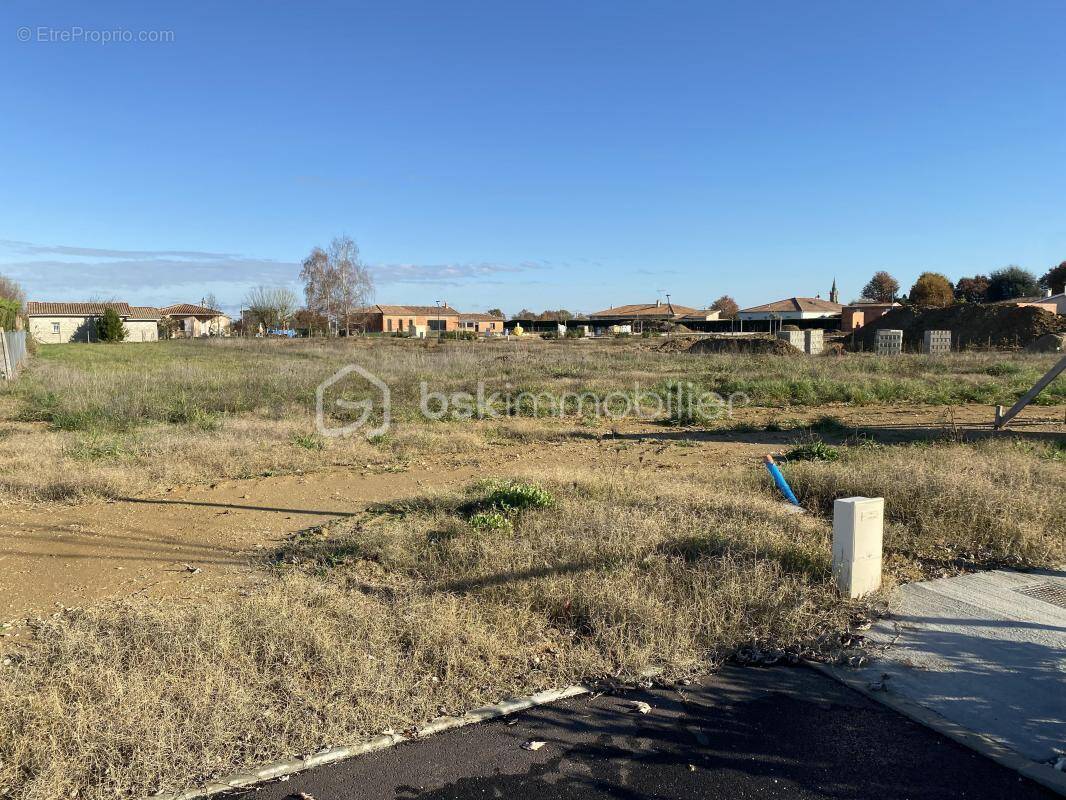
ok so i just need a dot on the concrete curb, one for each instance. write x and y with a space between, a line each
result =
1047 776
280 769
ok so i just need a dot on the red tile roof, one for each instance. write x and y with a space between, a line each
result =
35 309
417 311
646 310
189 310
144 312
478 317
794 304
872 304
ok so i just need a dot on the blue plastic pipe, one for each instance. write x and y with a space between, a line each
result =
779 479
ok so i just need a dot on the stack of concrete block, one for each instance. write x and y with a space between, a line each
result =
936 343
794 338
889 342
814 341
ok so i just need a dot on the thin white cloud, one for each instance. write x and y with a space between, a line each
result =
449 274
160 277
29 248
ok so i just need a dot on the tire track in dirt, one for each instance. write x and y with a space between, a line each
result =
192 540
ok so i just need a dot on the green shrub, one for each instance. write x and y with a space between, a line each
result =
505 498
309 441
490 521
813 451
110 328
1003 368
511 496
9 311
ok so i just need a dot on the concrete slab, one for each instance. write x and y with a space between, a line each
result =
985 651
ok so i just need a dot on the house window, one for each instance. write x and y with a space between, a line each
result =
390 326
438 324
410 324
55 327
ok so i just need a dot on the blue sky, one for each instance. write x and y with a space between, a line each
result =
541 154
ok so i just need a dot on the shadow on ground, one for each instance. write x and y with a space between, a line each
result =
773 733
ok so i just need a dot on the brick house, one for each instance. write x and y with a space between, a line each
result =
855 315
1055 303
411 320
482 324
192 321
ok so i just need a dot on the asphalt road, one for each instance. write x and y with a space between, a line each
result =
745 733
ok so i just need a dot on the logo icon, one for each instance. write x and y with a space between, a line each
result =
365 406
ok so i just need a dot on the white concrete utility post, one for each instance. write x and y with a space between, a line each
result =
858 537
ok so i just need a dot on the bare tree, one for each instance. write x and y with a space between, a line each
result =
271 306
336 282
726 307
10 290
317 279
352 285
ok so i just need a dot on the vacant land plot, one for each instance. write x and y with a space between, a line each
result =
558 550
108 421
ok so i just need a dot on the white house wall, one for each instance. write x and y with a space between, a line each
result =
81 329
43 329
141 330
760 315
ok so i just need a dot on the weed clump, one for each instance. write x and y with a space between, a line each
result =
813 451
490 521
510 497
309 441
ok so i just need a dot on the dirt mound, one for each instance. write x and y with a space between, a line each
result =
1048 343
673 345
754 345
971 325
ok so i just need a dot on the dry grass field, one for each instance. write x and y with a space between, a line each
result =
110 421
554 565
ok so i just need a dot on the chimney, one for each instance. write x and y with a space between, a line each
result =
1047 293
658 302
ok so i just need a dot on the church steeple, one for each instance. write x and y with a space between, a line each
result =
834 295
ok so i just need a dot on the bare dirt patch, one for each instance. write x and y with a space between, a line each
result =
188 540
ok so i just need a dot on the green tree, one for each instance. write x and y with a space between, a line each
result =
109 327
972 290
1055 279
494 312
1011 282
882 288
9 311
932 290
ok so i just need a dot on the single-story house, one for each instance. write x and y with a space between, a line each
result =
793 308
57 323
636 315
485 324
855 315
411 320
1055 303
192 321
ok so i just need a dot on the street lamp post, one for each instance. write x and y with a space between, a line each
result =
438 319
